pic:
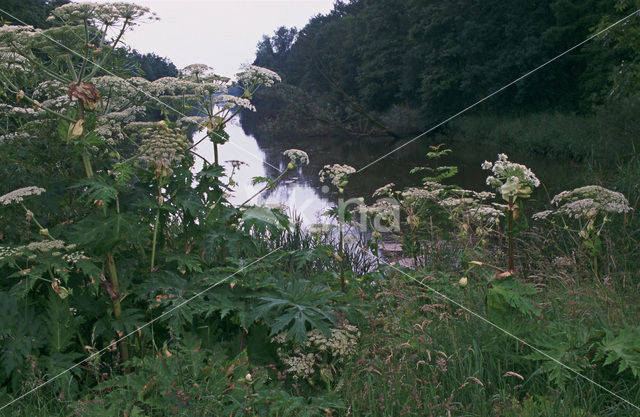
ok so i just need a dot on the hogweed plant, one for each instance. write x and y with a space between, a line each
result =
383 216
213 104
511 181
132 221
585 211
434 209
338 176
161 148
95 30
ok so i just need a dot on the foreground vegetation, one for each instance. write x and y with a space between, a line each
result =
132 287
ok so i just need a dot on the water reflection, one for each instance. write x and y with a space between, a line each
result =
296 190
302 191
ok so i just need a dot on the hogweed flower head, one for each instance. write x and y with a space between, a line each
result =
303 360
16 196
337 174
486 213
161 147
385 190
511 179
320 228
227 101
542 215
252 74
415 195
196 71
20 35
296 156
108 14
55 248
589 201
381 208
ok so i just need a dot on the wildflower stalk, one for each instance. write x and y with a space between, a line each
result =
155 228
86 52
85 158
338 175
341 254
513 181
115 299
114 44
510 233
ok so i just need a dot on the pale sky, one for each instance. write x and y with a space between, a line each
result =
220 33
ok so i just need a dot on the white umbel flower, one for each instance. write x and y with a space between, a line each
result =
16 196
296 155
337 174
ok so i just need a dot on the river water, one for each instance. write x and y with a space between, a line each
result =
302 192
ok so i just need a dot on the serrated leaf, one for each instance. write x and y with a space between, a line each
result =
516 295
625 348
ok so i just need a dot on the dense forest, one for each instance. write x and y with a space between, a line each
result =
411 64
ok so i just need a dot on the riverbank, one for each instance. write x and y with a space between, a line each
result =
603 137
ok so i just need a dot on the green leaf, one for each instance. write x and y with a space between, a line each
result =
97 192
60 323
298 307
517 295
186 261
623 348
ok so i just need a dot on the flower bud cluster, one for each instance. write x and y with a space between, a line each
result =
161 147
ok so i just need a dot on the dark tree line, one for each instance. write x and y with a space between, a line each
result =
31 12
440 56
152 66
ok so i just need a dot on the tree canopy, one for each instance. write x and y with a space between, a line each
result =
441 56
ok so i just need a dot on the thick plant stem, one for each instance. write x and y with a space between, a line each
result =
215 154
341 253
87 165
115 300
510 234
85 158
155 229
155 239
